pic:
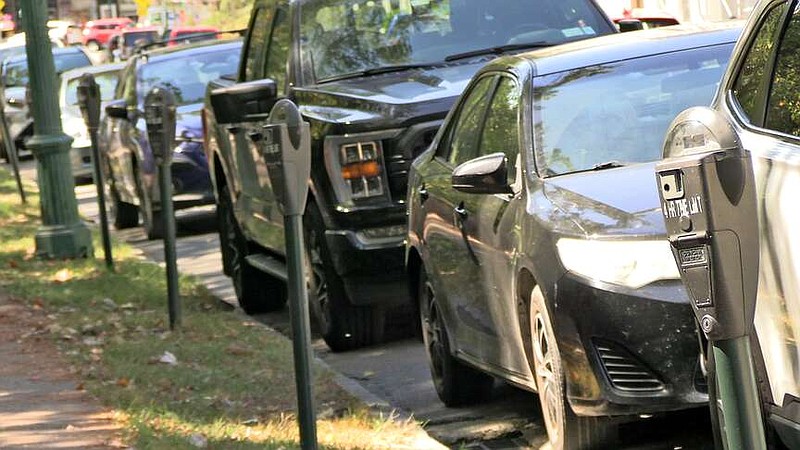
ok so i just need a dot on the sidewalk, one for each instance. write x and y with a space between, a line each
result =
41 406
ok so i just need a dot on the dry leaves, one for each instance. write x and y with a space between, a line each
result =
62 276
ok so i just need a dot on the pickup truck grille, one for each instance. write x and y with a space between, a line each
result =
400 153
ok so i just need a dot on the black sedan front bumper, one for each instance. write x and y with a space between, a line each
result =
628 351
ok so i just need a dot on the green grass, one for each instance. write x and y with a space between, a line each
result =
233 383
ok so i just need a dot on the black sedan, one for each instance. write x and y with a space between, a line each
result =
131 168
536 246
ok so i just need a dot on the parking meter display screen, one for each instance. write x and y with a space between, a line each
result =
777 319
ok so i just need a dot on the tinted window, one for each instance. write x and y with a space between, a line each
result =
17 73
137 38
464 137
501 130
749 85
256 46
188 76
279 50
783 109
348 36
620 111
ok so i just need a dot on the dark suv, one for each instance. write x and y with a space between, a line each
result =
375 80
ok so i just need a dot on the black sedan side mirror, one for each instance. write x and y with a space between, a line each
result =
244 102
485 175
117 110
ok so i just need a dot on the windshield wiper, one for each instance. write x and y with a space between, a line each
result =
377 71
497 50
595 168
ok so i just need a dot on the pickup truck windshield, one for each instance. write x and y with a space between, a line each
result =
342 37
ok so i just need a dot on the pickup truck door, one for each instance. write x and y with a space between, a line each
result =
261 216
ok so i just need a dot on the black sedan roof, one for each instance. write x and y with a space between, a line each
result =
622 46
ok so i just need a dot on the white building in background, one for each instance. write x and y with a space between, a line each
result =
685 10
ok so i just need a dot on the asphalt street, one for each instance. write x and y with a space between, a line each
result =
395 373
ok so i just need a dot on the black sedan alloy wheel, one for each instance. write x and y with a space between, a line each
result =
565 430
456 384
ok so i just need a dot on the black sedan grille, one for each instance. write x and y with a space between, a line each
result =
401 154
625 371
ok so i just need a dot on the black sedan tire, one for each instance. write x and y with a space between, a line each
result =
565 430
456 383
342 325
256 291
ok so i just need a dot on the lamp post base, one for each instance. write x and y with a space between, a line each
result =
60 242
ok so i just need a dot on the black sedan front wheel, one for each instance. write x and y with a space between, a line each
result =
565 430
456 384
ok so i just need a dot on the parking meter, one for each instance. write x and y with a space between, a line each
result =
89 103
159 116
708 200
285 143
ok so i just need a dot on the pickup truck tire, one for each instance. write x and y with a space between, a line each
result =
256 291
342 325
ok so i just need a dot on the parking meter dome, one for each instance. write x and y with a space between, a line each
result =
698 130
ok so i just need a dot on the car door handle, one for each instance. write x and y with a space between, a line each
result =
461 212
423 194
255 136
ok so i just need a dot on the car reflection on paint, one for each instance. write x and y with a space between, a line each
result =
537 253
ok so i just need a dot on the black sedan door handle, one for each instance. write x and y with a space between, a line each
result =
255 136
461 212
423 194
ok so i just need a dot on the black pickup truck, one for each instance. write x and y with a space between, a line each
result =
374 79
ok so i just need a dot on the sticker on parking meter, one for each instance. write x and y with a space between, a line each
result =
691 206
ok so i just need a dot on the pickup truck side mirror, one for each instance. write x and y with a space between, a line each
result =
485 175
244 102
117 110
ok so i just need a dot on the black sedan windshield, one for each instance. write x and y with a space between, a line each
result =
588 117
188 76
341 37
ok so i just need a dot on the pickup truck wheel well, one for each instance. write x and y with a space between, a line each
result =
414 267
219 175
525 284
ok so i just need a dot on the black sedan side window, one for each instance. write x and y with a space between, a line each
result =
749 86
783 109
463 142
501 131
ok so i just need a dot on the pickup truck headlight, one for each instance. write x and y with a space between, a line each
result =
626 263
355 165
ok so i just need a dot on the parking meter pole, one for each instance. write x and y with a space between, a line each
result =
89 102
11 149
170 254
737 388
159 115
286 146
62 234
301 331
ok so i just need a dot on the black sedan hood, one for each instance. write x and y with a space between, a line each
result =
390 99
613 202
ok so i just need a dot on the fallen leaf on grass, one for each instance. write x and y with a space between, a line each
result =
13 264
238 350
62 276
123 382
80 387
166 358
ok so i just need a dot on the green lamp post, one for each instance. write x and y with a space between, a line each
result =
62 234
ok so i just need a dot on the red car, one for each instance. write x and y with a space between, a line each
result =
96 33
181 35
647 18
